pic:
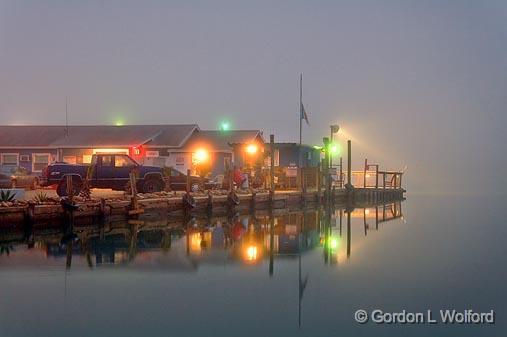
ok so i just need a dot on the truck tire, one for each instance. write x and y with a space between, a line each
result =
61 189
152 185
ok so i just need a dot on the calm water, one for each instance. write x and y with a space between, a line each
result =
252 275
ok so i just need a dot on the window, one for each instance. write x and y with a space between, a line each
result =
175 173
70 159
24 158
40 161
87 159
180 160
123 161
107 160
10 159
277 157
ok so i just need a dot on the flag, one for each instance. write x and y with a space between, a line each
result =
303 114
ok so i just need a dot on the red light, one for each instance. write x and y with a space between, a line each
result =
135 151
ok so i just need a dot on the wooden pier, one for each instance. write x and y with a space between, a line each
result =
177 204
315 186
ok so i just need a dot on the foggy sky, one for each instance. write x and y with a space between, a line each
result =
415 83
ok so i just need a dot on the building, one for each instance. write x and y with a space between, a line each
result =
238 147
289 154
178 146
33 147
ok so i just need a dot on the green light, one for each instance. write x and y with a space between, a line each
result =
224 126
334 148
333 244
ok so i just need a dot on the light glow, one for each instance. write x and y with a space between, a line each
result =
333 243
224 126
106 151
252 148
251 253
195 242
201 156
334 148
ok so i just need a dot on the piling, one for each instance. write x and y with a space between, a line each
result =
135 209
272 169
187 185
327 171
349 163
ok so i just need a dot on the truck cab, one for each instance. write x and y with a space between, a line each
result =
107 171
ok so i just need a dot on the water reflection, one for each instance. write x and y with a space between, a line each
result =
246 239
162 245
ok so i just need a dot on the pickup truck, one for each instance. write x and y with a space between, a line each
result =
113 171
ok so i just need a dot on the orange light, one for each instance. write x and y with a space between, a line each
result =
201 156
195 242
251 253
252 148
367 175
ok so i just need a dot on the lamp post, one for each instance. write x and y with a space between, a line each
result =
334 129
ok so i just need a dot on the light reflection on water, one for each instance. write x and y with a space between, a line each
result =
300 273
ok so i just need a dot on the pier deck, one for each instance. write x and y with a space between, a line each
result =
177 204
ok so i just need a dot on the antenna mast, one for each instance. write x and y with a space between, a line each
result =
66 116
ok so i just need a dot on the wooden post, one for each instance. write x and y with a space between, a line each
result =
376 217
231 181
303 180
319 177
349 162
187 188
70 199
299 179
365 170
327 172
272 165
133 197
349 234
69 188
341 172
271 242
384 180
376 176
168 179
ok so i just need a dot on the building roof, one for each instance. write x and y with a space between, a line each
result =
95 136
29 136
289 144
221 141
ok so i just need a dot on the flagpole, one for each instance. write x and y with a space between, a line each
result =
300 110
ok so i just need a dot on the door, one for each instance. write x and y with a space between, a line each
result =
178 180
123 165
104 171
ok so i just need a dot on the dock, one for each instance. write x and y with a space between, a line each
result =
177 204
